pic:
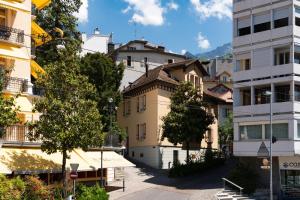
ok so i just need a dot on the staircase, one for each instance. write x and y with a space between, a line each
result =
231 195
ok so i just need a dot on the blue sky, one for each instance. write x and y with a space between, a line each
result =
193 25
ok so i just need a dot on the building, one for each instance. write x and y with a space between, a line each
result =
19 34
95 42
137 53
266 56
147 100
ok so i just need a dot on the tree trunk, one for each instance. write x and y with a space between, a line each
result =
63 170
187 152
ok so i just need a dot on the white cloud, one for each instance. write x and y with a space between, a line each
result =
126 10
203 42
82 15
213 8
183 51
172 5
147 12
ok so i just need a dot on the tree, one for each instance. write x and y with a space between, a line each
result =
106 76
188 119
226 130
69 118
58 15
8 110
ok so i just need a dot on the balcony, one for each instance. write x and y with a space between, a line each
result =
17 134
11 35
15 85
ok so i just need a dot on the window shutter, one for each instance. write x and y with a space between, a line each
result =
137 132
144 131
281 13
137 105
244 22
261 18
129 107
144 102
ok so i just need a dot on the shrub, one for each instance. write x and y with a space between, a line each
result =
11 188
244 176
36 189
91 193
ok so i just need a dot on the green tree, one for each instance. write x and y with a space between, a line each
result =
188 119
8 110
58 15
69 118
226 130
12 189
106 76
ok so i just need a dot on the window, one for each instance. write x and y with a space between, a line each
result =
126 107
282 93
141 155
225 112
280 131
2 17
132 154
282 56
297 19
141 103
246 97
144 63
247 64
170 61
141 132
128 61
195 80
250 132
260 95
131 48
298 130
243 26
262 22
281 17
297 54
224 79
243 62
175 157
297 92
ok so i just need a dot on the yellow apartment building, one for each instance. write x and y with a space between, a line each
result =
147 100
19 35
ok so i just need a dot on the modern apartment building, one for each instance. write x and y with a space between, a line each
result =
147 100
137 53
19 35
266 48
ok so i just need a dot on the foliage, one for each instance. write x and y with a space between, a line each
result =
12 189
69 118
188 119
106 76
58 14
91 193
35 189
226 130
244 176
193 167
8 110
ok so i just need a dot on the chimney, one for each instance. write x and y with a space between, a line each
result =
110 47
147 69
83 37
161 48
97 31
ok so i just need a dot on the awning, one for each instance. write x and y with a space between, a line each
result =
36 69
14 52
40 4
39 35
33 160
14 5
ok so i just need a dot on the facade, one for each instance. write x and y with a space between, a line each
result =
19 35
266 56
147 100
137 53
96 42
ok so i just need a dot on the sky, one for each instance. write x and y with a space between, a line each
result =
180 25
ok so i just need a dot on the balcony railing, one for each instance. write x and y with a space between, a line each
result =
13 84
11 34
16 134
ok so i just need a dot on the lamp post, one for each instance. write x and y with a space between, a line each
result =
110 110
270 94
74 175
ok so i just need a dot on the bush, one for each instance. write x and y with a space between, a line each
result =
91 193
11 189
194 167
245 177
36 189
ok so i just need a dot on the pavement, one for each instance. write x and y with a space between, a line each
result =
145 183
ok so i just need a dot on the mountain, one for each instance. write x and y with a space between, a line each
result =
189 55
219 51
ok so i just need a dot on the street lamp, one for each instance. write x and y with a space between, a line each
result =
270 94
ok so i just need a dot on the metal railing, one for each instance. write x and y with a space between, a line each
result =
232 184
16 134
14 84
11 34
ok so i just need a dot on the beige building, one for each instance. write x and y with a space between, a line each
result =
147 100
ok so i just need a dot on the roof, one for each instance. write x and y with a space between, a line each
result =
161 73
220 86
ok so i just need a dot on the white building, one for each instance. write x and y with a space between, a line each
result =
95 42
266 47
137 53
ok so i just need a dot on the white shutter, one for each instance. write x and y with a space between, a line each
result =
244 22
261 58
281 13
261 18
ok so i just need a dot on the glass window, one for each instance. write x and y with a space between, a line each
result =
282 93
280 131
297 54
297 92
260 95
281 56
250 132
298 129
129 61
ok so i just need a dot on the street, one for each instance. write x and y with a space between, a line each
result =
143 183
